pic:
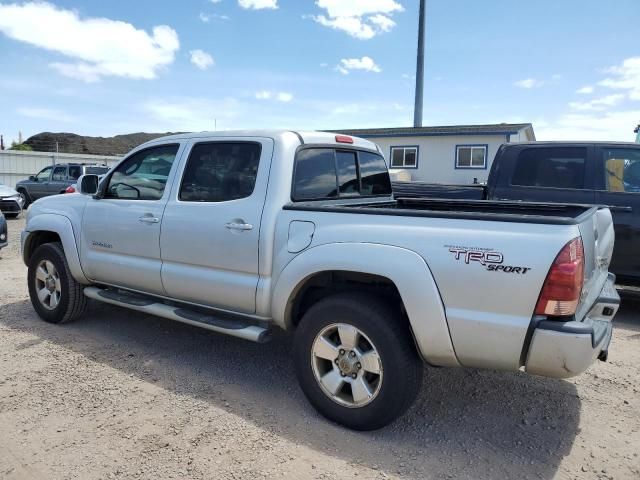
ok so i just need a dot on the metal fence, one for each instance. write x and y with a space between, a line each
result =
17 165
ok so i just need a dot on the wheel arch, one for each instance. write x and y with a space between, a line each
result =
47 228
393 268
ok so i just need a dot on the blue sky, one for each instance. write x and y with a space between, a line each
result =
570 67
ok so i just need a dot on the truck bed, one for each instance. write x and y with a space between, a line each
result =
516 212
436 190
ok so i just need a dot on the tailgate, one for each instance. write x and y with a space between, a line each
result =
597 239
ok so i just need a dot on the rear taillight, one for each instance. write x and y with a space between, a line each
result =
70 189
561 290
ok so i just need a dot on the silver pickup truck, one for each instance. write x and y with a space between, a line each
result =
242 232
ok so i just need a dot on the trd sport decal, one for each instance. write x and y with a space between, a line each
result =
488 258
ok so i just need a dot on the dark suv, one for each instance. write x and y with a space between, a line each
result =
55 179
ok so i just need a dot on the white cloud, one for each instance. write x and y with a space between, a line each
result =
529 83
606 126
100 47
365 63
258 4
191 114
324 65
385 24
598 103
284 97
215 1
358 8
207 17
201 59
585 90
625 77
363 19
45 114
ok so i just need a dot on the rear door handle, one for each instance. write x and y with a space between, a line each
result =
149 219
238 226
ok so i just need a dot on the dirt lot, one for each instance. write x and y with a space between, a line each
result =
122 395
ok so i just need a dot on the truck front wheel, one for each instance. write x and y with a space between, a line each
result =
26 198
356 361
55 295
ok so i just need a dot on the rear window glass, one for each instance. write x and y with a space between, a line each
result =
374 175
315 175
622 169
96 170
328 173
557 167
347 173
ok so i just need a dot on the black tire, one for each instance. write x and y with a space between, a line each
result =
384 326
26 196
72 302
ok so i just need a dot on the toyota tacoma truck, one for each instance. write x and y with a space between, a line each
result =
244 232
606 173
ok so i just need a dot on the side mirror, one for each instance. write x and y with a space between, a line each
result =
88 184
33 178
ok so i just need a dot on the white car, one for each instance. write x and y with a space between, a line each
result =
243 232
11 202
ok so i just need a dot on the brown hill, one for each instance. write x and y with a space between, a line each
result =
72 143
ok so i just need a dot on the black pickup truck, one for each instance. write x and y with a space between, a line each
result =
563 172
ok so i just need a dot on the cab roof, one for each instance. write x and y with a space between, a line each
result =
304 137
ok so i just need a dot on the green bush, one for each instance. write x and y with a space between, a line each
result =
21 146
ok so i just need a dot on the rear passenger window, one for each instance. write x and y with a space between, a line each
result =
75 171
557 167
220 171
315 175
59 174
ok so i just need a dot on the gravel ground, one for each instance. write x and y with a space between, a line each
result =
123 395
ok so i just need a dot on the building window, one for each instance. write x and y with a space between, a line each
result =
471 156
404 157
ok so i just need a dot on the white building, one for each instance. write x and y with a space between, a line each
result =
458 154
16 165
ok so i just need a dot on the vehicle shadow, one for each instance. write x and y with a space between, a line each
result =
466 423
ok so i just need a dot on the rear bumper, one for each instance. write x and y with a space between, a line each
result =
566 349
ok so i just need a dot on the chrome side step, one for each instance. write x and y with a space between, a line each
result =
149 305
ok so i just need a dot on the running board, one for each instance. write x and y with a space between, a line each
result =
140 303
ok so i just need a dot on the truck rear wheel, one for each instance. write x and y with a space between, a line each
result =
356 361
55 295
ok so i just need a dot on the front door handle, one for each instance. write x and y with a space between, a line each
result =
238 226
149 219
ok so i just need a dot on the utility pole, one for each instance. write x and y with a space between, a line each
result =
417 109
